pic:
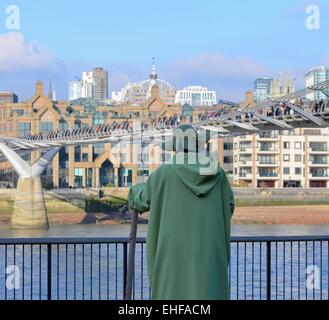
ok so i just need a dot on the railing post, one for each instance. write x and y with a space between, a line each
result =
125 267
131 256
268 270
49 271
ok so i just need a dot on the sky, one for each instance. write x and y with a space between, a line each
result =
223 45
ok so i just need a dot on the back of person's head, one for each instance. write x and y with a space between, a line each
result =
187 139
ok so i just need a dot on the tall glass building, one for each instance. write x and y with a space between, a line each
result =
314 77
262 89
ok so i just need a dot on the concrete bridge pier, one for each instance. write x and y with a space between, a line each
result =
29 205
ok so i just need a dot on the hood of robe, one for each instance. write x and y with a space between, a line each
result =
196 139
197 171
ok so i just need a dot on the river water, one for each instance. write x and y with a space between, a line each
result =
96 271
122 230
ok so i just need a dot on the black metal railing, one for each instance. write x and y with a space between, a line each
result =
262 268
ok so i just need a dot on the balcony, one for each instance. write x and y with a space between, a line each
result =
318 146
324 175
97 268
245 175
319 162
268 136
268 175
245 163
245 138
267 150
267 164
246 149
318 150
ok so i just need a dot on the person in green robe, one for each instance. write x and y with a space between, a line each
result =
188 240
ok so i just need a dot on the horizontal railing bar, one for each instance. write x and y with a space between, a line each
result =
280 238
43 241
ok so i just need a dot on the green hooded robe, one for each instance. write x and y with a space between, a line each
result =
188 239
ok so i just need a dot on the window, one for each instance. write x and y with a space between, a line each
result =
84 157
245 157
312 132
63 157
286 145
263 172
78 172
267 159
298 171
123 157
24 129
245 145
298 158
97 150
318 159
298 145
286 157
318 146
228 159
78 177
266 146
286 170
77 153
98 118
269 134
18 112
46 126
228 146
63 125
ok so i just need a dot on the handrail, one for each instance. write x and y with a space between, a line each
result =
258 268
96 240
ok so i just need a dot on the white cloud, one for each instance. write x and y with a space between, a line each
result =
24 62
19 55
218 65
28 61
230 77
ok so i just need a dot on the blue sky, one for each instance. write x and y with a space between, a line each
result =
223 45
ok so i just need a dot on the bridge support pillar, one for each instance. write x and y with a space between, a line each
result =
29 205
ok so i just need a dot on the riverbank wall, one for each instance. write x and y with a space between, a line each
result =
254 206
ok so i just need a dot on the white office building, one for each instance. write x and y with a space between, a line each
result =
74 89
314 77
87 85
92 85
83 88
196 96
